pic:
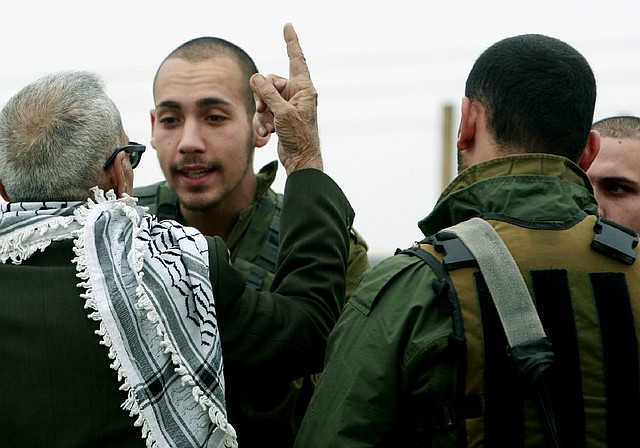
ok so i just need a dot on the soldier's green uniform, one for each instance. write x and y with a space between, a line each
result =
272 414
408 377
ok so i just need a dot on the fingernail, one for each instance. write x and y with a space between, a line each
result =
258 79
262 132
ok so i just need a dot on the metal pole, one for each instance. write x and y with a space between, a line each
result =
447 145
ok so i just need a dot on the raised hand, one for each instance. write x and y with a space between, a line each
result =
289 107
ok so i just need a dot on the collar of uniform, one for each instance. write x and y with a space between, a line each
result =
521 164
509 185
265 178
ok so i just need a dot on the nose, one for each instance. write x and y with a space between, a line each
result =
191 139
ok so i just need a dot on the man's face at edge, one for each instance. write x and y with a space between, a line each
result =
615 175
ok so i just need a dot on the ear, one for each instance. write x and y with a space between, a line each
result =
259 141
119 176
152 115
468 122
590 151
3 193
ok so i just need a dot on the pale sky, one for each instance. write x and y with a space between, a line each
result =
383 71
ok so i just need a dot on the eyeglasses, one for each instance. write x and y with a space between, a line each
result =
135 151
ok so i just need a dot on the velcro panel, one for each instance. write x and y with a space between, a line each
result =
553 302
620 355
504 399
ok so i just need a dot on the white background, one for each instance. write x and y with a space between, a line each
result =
383 71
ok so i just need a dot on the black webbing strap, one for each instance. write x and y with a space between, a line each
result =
449 415
444 289
267 258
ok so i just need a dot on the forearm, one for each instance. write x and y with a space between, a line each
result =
314 240
284 332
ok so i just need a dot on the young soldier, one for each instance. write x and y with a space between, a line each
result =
205 136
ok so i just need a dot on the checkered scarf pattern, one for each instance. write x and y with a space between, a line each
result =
147 284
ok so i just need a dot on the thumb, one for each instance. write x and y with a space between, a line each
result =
267 93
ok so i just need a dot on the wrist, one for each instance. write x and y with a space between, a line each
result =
302 162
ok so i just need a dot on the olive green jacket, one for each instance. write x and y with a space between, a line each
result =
389 360
56 386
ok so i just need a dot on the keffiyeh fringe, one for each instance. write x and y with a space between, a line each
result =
145 305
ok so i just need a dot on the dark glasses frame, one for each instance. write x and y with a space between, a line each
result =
135 151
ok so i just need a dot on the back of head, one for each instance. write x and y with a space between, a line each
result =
55 134
622 126
206 48
539 94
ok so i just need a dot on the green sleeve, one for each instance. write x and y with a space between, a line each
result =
367 374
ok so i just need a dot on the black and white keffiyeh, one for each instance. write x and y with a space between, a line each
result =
147 284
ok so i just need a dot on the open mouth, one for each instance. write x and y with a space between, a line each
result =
195 174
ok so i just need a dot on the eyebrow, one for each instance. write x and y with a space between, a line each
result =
212 101
168 104
616 179
201 103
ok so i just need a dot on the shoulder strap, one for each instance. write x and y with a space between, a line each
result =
530 349
508 289
443 288
167 203
450 414
269 253
260 271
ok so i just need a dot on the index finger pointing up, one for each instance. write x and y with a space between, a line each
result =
297 62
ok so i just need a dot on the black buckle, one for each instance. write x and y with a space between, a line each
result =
456 254
615 241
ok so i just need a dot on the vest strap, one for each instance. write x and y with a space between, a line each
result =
530 349
508 289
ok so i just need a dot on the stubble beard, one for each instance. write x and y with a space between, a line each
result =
207 199
197 202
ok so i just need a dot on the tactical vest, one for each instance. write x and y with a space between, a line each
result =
260 272
587 294
257 265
